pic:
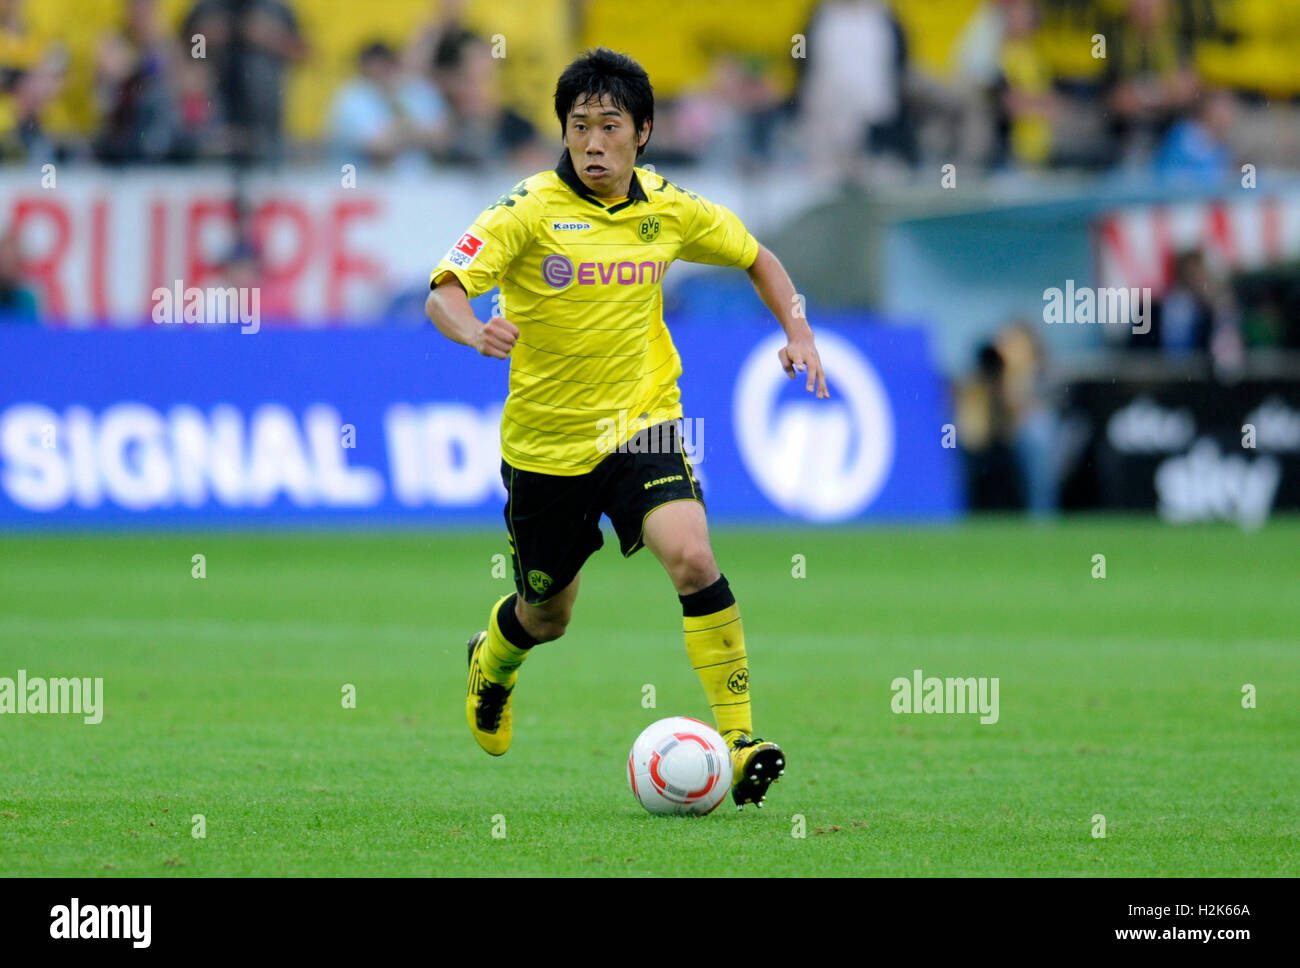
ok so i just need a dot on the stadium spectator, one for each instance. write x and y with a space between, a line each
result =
1008 426
386 116
985 432
134 78
977 52
245 269
485 131
702 125
1199 148
1027 106
447 19
851 97
1197 314
17 302
1032 416
730 121
22 130
976 64
1150 80
1025 113
203 132
20 48
251 44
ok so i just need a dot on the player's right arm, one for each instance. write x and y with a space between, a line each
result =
448 308
472 267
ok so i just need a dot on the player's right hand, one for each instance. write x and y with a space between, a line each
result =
497 338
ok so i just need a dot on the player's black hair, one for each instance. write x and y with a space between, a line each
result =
606 72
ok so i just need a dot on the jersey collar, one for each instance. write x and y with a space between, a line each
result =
635 193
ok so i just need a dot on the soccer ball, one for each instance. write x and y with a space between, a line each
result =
679 765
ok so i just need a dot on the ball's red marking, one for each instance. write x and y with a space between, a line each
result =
661 784
713 777
655 778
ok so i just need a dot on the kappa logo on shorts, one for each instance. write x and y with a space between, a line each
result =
739 682
539 581
663 480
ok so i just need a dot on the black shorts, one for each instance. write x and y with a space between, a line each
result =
554 521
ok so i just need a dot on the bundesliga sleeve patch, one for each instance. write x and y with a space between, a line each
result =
464 252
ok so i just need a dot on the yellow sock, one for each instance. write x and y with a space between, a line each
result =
715 644
499 660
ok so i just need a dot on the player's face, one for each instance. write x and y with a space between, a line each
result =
602 143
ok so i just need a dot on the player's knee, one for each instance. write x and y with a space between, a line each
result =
694 568
546 625
548 630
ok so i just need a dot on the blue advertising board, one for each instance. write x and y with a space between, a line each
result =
208 426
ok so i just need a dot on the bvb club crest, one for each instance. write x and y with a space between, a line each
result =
649 228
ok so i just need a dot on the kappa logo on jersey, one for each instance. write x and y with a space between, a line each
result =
569 226
464 252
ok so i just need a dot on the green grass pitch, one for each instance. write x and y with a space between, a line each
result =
1119 696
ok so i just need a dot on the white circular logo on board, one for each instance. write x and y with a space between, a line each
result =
823 460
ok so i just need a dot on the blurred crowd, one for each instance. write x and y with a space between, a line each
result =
1008 408
215 88
438 101
1183 87
1051 83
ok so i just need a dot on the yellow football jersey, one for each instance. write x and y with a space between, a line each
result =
582 278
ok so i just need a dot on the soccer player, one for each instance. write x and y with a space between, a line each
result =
579 254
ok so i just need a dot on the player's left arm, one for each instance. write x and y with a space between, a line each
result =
712 234
778 293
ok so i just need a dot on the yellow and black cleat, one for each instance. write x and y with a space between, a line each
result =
755 766
487 704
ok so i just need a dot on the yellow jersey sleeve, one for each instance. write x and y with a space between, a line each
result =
482 255
714 235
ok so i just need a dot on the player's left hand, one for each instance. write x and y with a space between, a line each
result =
799 356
